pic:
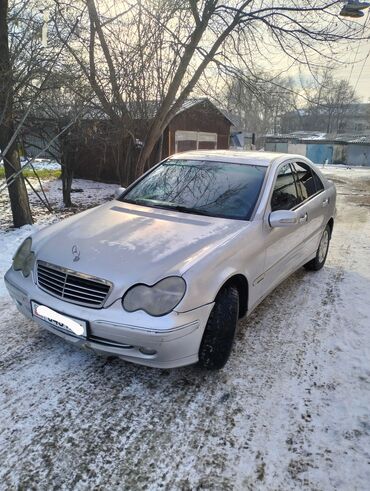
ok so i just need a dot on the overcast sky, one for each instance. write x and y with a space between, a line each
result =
360 74
353 65
356 62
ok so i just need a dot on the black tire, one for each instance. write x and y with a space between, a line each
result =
218 337
319 260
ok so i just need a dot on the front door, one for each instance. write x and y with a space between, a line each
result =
284 244
314 200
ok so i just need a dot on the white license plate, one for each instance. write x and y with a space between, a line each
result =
65 323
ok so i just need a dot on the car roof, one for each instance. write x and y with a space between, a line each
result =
232 156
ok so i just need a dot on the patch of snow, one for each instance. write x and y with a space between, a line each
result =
85 194
39 164
346 167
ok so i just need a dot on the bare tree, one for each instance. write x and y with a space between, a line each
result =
8 145
62 103
143 59
128 60
330 102
27 84
258 103
296 30
326 103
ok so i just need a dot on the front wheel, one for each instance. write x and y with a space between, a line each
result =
218 336
319 260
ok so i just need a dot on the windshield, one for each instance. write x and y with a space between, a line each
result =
219 189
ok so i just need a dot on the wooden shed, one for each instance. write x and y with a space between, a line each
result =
96 150
198 125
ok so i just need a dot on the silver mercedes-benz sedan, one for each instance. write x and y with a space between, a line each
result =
161 275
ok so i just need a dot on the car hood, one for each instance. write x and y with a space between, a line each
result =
128 244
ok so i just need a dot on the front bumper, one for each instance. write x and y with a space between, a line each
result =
175 337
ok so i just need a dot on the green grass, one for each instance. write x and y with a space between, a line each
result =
42 173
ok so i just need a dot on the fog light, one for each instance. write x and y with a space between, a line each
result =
147 351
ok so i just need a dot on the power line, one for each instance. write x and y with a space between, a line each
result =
357 50
366 57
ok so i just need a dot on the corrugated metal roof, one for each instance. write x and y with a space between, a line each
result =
348 138
307 136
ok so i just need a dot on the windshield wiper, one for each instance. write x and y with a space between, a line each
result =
167 206
185 209
139 201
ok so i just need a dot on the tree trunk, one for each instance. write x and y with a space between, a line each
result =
67 170
149 145
67 179
159 149
17 190
127 161
171 104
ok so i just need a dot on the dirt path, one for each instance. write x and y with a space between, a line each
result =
290 410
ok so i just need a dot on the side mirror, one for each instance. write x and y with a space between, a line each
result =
118 192
283 218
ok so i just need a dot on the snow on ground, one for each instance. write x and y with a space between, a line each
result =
42 164
289 411
39 164
85 194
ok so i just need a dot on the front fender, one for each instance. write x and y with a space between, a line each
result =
243 256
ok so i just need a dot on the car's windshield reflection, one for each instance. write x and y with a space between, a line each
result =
220 189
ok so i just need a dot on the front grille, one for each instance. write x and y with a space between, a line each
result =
72 287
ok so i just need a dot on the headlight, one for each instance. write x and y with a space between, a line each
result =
156 300
24 258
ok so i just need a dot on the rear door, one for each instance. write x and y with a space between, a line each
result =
313 202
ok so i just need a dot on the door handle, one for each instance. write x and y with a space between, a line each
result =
325 202
303 218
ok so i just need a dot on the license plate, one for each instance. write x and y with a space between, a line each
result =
71 325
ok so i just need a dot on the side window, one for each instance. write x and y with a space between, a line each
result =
305 180
308 181
284 196
318 184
